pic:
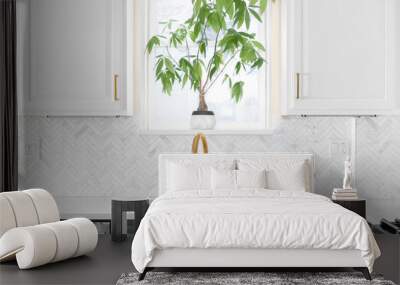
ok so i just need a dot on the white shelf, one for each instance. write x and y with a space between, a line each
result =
206 132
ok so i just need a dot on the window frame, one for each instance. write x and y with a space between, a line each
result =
142 74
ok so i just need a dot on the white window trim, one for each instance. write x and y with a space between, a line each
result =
141 59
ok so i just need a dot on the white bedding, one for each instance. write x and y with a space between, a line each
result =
251 218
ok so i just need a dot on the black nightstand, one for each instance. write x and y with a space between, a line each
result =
357 206
119 207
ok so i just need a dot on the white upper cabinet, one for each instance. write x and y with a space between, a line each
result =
80 58
337 57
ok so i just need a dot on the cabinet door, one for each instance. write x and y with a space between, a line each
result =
338 56
77 59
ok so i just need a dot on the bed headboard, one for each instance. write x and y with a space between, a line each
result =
204 158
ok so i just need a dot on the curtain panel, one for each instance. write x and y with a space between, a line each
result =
8 98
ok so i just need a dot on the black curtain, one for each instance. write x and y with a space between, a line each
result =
8 98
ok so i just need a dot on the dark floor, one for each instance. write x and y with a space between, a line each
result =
111 259
103 266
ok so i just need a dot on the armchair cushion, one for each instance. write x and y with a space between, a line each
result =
7 220
31 232
45 205
23 208
37 245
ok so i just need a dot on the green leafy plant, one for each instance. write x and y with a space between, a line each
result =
218 25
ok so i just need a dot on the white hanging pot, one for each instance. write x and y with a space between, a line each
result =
203 120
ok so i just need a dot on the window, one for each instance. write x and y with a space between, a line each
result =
163 112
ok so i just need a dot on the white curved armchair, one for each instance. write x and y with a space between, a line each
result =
31 230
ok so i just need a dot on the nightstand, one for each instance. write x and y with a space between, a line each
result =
358 206
119 207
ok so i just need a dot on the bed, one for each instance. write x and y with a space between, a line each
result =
242 211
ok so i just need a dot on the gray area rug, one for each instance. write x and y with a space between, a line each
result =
269 278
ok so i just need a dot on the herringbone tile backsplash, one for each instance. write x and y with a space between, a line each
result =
378 165
85 162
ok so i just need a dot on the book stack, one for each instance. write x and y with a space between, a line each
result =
344 194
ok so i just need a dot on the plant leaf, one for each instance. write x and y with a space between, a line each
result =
248 53
196 6
185 79
237 91
229 8
202 47
238 65
219 5
258 63
154 41
214 22
247 19
196 31
255 14
170 66
159 66
263 6
197 71
258 45
227 77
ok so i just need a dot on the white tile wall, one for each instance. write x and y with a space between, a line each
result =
378 165
86 161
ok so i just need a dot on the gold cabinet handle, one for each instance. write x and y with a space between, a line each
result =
297 85
116 98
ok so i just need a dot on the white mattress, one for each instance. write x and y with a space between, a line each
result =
250 219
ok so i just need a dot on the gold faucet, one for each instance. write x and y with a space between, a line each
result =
195 144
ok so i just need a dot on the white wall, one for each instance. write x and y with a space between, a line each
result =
86 161
378 165
397 51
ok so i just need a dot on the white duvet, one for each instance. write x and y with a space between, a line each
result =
250 219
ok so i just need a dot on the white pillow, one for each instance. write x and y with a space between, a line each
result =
188 177
251 178
282 174
223 179
288 177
